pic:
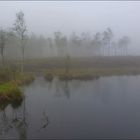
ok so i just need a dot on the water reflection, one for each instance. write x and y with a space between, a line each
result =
59 88
73 109
14 117
66 89
44 121
63 88
10 119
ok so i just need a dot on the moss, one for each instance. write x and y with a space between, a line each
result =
10 80
6 88
10 92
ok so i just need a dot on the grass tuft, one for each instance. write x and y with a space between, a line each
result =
9 91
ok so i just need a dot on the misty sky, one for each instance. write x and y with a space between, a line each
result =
45 17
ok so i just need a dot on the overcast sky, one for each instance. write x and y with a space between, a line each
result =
45 17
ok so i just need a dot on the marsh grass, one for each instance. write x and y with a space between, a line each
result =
10 80
88 73
13 74
24 79
10 91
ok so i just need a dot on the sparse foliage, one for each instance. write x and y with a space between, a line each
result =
2 43
20 29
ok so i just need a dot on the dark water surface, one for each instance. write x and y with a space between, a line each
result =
103 108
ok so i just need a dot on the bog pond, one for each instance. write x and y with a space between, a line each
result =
108 107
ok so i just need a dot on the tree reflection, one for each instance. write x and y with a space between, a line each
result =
5 123
17 121
20 122
61 88
66 89
45 121
14 116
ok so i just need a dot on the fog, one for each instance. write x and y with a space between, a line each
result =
46 17
69 69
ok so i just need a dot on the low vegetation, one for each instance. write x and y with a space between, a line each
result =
10 94
10 80
24 79
10 91
89 73
9 74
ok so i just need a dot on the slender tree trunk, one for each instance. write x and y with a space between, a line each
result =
1 60
115 51
23 134
67 64
2 57
126 51
22 63
108 51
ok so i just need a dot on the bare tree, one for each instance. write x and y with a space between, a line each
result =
50 46
2 44
97 43
86 43
57 39
61 44
126 41
107 36
114 48
123 44
20 29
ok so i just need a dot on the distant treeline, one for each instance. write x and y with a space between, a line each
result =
74 45
60 45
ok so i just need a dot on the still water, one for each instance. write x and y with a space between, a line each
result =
107 107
